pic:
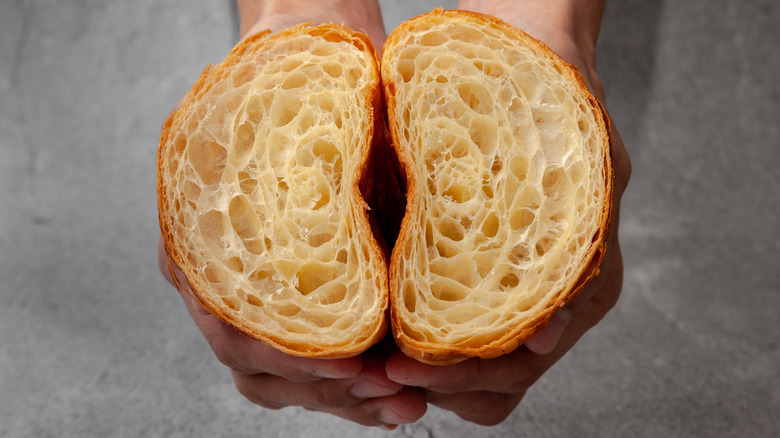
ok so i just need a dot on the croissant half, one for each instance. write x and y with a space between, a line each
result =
259 175
509 184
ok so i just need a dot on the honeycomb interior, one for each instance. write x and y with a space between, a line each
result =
263 197
509 164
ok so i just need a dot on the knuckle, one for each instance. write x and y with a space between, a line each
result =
604 301
519 385
627 168
322 399
326 396
227 357
536 371
296 375
611 300
317 399
468 376
230 351
249 390
506 374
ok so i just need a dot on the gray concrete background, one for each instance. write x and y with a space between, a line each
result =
94 343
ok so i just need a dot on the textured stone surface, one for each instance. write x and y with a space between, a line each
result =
94 343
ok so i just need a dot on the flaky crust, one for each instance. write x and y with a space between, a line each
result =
179 247
508 338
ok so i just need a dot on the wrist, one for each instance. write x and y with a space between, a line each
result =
249 13
564 25
360 15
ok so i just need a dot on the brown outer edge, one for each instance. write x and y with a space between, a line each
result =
197 287
437 354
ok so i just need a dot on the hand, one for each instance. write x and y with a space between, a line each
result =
487 391
355 388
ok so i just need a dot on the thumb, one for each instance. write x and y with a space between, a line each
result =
545 341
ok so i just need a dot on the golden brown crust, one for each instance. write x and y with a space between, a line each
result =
200 288
440 353
374 160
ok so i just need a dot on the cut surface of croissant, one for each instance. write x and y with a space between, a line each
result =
507 161
259 174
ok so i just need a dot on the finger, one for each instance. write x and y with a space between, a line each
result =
547 338
275 392
545 341
470 375
481 407
607 284
512 373
324 395
516 371
622 165
405 407
372 381
249 356
603 293
586 313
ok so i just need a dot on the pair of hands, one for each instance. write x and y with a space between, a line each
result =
383 387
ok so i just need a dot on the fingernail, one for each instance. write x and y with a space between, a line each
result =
413 382
564 314
388 427
547 339
368 389
333 374
407 380
390 416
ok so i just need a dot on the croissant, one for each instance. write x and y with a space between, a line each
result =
506 156
259 183
265 170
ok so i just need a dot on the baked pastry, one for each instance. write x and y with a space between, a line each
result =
259 191
509 184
